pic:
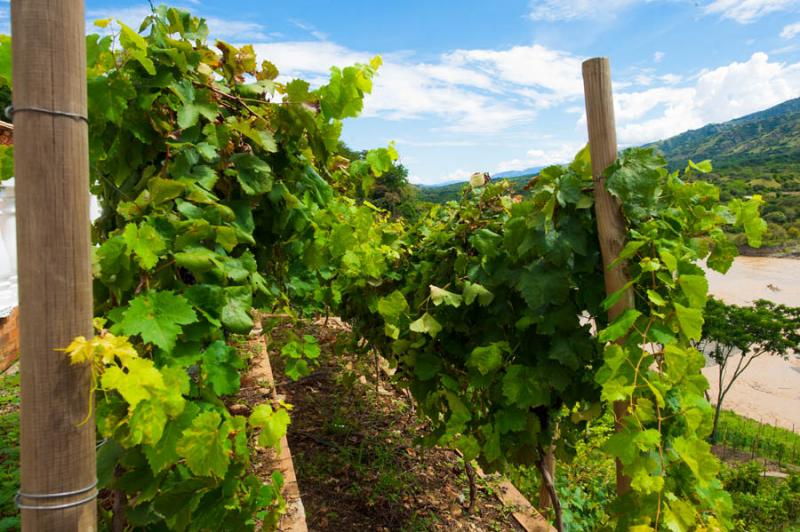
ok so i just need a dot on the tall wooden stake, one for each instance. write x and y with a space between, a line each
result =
610 224
55 291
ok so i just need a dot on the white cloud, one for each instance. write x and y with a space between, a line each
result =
657 57
745 11
554 10
479 91
552 72
717 95
455 175
789 31
546 154
742 11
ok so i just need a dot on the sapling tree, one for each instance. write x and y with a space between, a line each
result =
734 336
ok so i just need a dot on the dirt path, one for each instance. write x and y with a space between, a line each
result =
357 462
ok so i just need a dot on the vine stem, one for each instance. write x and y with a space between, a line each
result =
551 489
473 488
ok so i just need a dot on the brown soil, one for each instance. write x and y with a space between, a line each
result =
357 463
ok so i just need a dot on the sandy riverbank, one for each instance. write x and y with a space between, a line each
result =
770 388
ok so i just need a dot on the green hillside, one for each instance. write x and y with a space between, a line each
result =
451 192
755 154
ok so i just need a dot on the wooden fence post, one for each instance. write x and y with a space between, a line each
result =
610 223
52 179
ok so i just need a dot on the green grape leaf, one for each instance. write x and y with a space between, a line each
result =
272 423
254 175
620 326
137 384
145 242
146 425
439 296
426 324
511 420
164 453
392 306
157 316
297 368
220 367
473 291
695 288
523 387
696 454
236 312
487 359
690 321
205 445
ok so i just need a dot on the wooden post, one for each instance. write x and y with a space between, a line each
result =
610 224
550 464
55 291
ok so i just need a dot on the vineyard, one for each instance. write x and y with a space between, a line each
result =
229 203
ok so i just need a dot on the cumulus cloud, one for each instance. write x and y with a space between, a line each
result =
717 95
468 90
742 11
491 91
545 154
745 11
555 10
790 31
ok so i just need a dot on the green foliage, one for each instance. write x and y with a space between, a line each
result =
750 436
755 154
762 504
441 194
299 352
470 321
209 174
9 451
222 189
585 485
491 367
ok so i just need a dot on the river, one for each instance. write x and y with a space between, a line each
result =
752 278
770 388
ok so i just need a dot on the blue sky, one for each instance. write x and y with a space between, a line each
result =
495 85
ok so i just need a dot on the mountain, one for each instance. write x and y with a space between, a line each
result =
770 137
518 173
755 154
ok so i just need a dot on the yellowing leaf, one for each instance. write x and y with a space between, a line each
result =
273 424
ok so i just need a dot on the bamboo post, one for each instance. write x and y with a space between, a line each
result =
55 291
610 224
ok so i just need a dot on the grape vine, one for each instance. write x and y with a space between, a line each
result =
488 319
223 189
208 172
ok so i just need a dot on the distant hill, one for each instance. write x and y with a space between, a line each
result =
755 154
763 138
518 173
452 191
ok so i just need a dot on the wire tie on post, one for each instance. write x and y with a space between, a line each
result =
10 110
20 495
